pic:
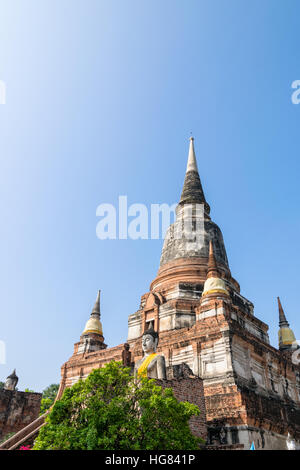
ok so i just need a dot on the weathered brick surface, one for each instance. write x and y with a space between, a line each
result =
81 365
17 410
276 414
188 387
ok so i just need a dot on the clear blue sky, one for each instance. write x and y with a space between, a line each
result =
101 98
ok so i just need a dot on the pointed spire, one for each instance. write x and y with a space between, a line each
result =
94 325
192 191
212 264
192 162
282 318
286 337
96 309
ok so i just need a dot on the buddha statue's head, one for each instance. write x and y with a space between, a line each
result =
149 341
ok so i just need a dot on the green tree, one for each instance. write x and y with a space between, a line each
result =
110 410
48 397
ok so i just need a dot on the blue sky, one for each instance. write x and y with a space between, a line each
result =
101 99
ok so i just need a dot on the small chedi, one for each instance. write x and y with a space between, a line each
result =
11 381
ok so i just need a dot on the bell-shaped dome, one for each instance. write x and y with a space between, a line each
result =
93 325
286 338
214 285
194 246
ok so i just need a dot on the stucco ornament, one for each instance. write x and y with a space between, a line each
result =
152 365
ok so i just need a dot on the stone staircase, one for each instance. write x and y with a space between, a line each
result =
26 434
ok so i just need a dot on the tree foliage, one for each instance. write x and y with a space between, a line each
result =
48 397
1 385
111 410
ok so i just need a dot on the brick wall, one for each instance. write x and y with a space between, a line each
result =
17 410
187 387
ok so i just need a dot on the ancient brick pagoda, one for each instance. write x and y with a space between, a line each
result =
252 390
205 326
